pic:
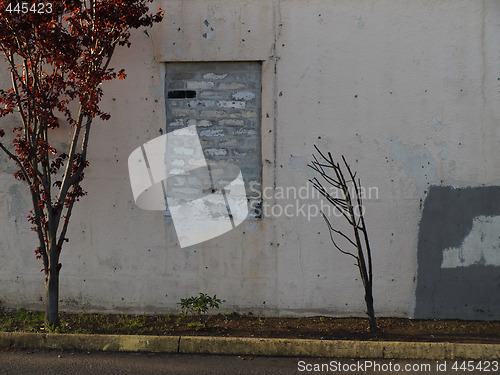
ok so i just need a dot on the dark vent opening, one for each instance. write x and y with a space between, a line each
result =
182 94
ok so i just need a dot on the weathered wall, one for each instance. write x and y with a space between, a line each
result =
408 91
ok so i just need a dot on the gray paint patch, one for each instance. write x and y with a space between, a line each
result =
418 164
471 292
435 122
296 162
361 23
444 151
18 206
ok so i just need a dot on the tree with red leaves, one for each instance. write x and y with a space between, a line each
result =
59 54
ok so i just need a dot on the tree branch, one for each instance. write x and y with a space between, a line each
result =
331 229
64 229
66 182
18 162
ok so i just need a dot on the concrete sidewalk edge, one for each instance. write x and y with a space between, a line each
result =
251 346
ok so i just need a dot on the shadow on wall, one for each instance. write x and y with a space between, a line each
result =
459 254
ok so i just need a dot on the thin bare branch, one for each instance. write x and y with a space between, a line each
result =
330 229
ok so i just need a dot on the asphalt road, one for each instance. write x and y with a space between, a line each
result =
34 362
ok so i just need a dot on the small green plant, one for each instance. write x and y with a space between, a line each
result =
54 329
22 315
197 325
83 331
164 318
199 306
137 321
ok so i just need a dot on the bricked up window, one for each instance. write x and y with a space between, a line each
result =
223 101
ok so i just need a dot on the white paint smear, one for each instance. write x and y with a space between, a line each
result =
481 246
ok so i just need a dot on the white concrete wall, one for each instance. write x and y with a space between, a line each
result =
408 91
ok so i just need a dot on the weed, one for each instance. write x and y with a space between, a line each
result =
21 315
52 329
164 318
197 325
137 322
199 306
83 331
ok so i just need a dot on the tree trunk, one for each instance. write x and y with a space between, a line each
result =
52 297
370 310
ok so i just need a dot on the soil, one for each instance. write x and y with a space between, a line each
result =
235 325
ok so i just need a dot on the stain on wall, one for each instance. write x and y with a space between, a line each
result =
418 164
458 254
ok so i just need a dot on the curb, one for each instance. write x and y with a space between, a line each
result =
251 346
